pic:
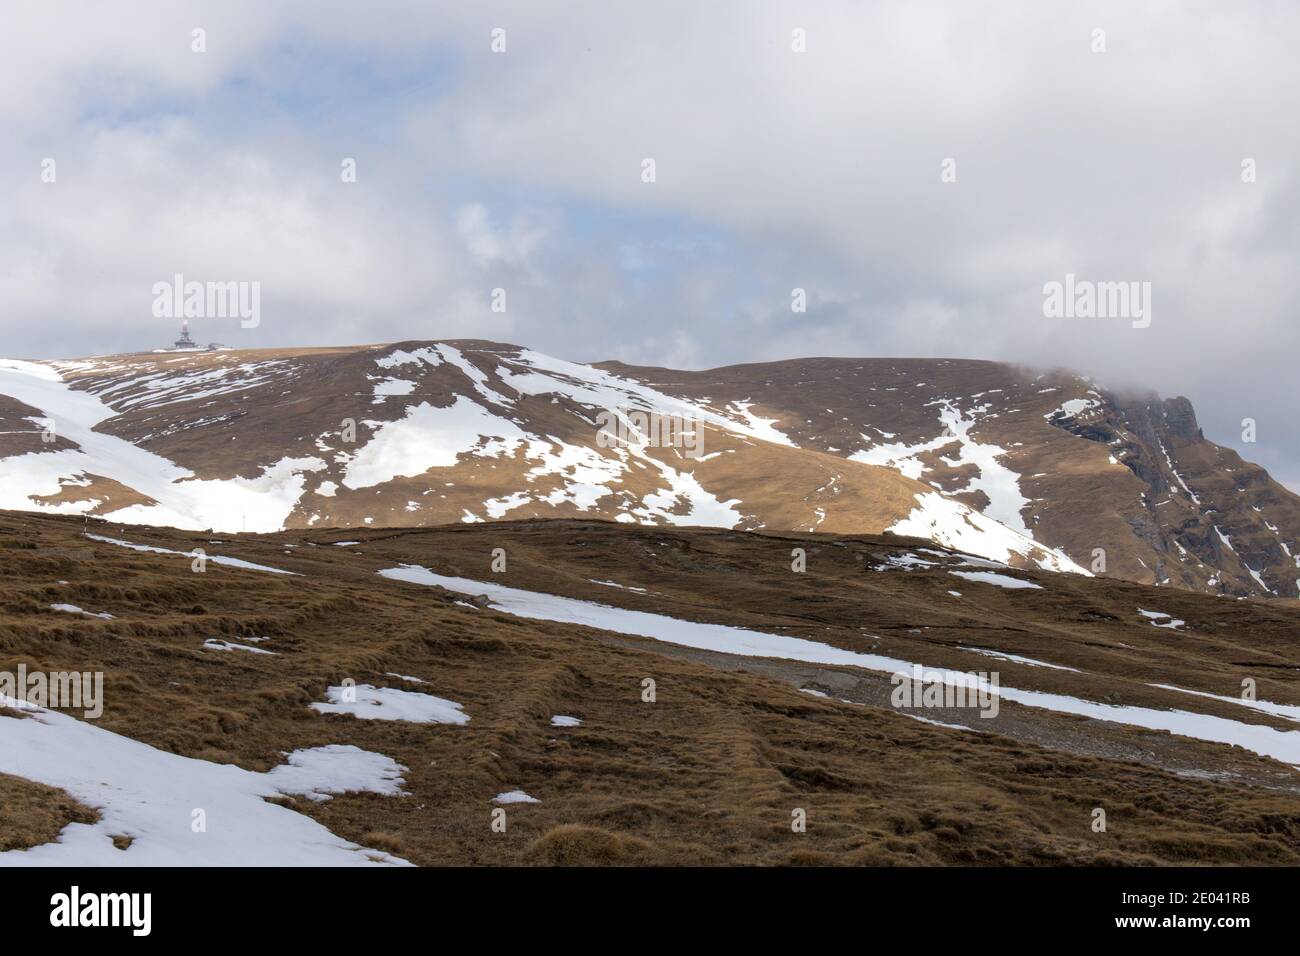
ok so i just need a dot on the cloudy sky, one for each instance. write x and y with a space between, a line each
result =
795 146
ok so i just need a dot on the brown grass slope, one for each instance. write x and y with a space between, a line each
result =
713 770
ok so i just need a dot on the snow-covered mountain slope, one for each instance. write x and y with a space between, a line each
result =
1023 469
1096 473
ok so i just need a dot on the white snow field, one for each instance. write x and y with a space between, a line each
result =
543 375
152 797
428 437
389 703
997 532
257 504
953 525
1266 741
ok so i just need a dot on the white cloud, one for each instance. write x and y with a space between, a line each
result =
818 170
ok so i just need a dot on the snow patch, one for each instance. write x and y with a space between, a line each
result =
999 580
953 525
150 795
213 558
388 703
514 796
212 644
73 609
1156 617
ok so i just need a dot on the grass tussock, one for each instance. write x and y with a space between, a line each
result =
32 814
576 845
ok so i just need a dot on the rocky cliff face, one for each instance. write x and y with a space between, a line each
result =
1213 509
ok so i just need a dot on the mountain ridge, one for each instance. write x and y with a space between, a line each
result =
1032 468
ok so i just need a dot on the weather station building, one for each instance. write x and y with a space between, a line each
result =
186 342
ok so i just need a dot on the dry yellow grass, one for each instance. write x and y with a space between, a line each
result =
31 813
712 772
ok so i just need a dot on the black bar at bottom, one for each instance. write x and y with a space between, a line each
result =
214 906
